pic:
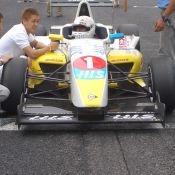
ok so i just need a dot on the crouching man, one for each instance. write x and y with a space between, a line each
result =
4 92
20 40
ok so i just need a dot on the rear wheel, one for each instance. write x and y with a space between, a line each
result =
13 77
162 76
129 29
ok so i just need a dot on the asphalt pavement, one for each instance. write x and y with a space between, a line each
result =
87 150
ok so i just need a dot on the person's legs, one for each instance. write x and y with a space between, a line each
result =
163 41
4 93
49 10
59 11
167 38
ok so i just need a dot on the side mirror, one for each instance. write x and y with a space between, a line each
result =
116 36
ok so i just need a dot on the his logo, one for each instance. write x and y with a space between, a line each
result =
89 67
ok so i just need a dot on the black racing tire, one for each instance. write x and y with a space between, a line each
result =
129 29
162 76
13 77
41 31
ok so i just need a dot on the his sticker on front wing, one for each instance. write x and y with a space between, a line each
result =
89 67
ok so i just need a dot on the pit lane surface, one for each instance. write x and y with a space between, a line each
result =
89 150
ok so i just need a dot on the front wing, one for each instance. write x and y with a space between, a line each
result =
65 113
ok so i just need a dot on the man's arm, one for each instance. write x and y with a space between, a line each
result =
171 7
37 45
160 23
34 53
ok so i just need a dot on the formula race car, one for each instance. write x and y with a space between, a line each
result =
96 79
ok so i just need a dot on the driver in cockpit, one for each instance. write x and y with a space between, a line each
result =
83 27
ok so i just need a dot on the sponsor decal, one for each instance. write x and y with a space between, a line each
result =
99 49
135 116
92 96
123 43
54 60
53 117
89 67
93 48
75 50
89 62
94 74
120 60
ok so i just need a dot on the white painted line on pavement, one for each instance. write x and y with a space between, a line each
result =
137 6
12 127
9 127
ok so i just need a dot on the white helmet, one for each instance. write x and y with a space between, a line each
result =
87 24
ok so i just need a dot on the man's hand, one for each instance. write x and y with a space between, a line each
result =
54 46
159 25
5 58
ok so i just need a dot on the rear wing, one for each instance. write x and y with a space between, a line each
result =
74 3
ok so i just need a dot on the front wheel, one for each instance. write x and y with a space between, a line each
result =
13 77
162 80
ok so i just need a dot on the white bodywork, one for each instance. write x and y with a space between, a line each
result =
88 48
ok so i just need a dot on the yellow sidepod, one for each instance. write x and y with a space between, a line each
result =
128 56
57 57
